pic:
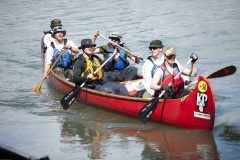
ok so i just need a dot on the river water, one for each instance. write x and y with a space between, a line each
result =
35 123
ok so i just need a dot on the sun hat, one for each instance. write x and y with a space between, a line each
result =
58 29
156 43
169 51
116 35
55 22
86 42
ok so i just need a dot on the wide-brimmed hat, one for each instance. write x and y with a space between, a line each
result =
55 23
169 51
116 35
156 43
86 42
58 29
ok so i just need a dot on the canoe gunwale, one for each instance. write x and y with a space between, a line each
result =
71 84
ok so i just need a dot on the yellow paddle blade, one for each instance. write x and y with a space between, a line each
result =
38 87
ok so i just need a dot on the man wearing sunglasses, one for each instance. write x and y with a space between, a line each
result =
165 73
121 70
149 66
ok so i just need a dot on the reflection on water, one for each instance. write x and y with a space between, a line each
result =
84 135
172 143
159 142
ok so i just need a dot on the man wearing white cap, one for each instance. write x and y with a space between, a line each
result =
47 38
63 66
121 70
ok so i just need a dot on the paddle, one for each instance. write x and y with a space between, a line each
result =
119 46
70 97
226 71
38 87
147 110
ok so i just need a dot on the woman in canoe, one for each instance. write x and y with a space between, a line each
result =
166 72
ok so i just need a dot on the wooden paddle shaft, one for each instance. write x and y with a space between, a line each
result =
56 61
37 88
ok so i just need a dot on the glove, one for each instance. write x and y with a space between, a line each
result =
164 87
193 59
187 82
169 92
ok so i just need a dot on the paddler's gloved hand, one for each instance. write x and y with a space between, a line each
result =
187 82
169 91
194 57
164 87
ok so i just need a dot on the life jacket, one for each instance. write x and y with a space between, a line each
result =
120 64
47 32
65 60
177 84
91 66
154 65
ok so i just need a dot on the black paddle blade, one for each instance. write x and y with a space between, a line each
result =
147 110
70 97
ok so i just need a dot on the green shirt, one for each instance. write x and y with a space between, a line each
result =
104 49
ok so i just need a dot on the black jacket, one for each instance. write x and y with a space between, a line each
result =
80 66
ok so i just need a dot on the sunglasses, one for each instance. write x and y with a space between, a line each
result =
115 39
153 48
171 56
56 28
87 46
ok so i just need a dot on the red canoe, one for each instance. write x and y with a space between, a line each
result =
195 111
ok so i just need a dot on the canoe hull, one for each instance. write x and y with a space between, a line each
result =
196 111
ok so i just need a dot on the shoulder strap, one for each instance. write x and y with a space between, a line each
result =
154 65
150 58
176 66
52 44
163 67
47 32
65 41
